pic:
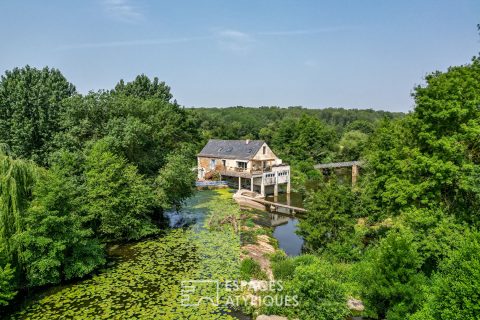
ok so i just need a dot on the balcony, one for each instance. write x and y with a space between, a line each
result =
240 172
267 173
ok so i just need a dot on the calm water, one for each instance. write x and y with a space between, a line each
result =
288 240
284 225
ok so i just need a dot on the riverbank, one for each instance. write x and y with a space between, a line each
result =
145 281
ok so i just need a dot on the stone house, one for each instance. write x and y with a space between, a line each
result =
246 162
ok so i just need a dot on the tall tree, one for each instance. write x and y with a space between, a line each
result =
175 181
57 243
30 105
16 181
143 87
118 199
7 284
144 131
331 216
432 157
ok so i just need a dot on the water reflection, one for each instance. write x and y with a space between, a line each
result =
288 240
284 224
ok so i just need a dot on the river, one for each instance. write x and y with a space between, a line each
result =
144 279
285 225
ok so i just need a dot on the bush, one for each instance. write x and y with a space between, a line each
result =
455 290
248 237
317 286
390 276
283 269
250 269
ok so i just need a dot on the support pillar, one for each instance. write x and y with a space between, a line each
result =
354 174
239 183
262 188
275 187
251 184
288 184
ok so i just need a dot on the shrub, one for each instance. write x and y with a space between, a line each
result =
390 276
283 269
455 290
316 285
250 269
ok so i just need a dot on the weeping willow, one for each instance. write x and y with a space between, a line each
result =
16 182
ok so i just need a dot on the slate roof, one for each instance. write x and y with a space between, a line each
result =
231 149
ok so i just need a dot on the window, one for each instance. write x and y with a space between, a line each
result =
212 164
224 163
264 149
242 164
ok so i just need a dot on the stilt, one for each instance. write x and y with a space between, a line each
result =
239 183
251 184
275 186
354 174
262 188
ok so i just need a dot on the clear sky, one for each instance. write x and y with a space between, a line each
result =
338 53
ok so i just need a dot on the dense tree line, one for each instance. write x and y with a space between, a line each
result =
79 171
406 237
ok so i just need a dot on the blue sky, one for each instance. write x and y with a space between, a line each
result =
354 54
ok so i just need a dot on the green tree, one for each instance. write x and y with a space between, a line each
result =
318 288
364 126
30 107
144 131
352 145
17 178
7 284
303 139
176 181
56 244
455 289
331 216
143 87
390 278
436 233
118 199
432 157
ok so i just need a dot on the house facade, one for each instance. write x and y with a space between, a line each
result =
249 162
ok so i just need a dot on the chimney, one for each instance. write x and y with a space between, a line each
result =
247 141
